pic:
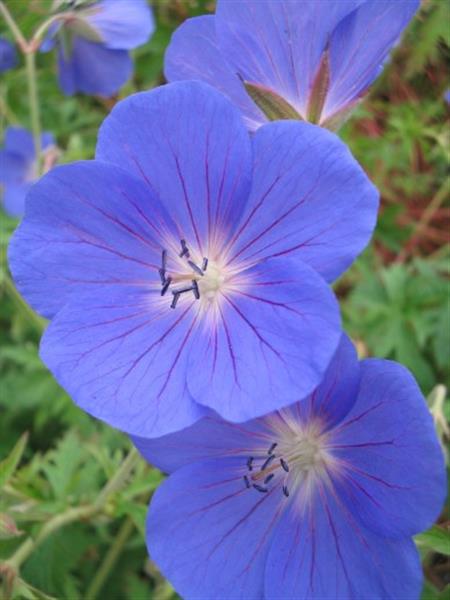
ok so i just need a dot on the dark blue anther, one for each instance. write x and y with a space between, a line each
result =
184 249
247 482
268 478
164 260
272 448
195 289
204 264
195 268
165 287
284 464
183 290
267 462
285 491
162 275
176 295
250 463
260 488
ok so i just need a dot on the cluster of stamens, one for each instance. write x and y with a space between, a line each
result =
266 472
166 280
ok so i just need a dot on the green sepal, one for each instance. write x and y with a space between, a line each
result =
82 28
319 89
272 105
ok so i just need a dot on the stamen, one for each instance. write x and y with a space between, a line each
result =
162 274
176 295
165 287
195 268
164 260
204 264
249 463
183 290
195 289
267 462
184 249
272 448
247 482
268 478
260 488
285 491
284 464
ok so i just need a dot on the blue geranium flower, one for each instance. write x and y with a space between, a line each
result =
318 501
19 166
93 38
8 55
185 267
310 60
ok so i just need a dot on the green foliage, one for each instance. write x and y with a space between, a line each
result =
436 538
401 312
63 532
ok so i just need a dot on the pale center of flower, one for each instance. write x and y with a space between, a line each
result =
295 460
305 452
184 274
211 283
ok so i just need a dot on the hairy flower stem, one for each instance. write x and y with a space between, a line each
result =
30 61
29 50
17 34
110 559
73 514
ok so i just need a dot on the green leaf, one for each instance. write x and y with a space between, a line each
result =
22 589
437 539
64 462
272 105
9 465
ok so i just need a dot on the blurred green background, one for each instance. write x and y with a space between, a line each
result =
395 303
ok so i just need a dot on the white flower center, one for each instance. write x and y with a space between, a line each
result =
211 283
296 460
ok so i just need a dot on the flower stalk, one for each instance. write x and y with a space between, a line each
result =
12 565
29 49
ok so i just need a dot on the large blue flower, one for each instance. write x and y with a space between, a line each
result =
94 38
19 166
8 55
185 267
312 59
318 501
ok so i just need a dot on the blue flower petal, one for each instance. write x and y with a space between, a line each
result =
122 357
20 141
188 143
338 390
394 476
14 196
358 47
193 54
8 55
13 167
278 44
323 552
310 199
210 437
86 225
93 69
122 24
270 343
209 534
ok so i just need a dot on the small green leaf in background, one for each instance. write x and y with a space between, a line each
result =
437 539
9 464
